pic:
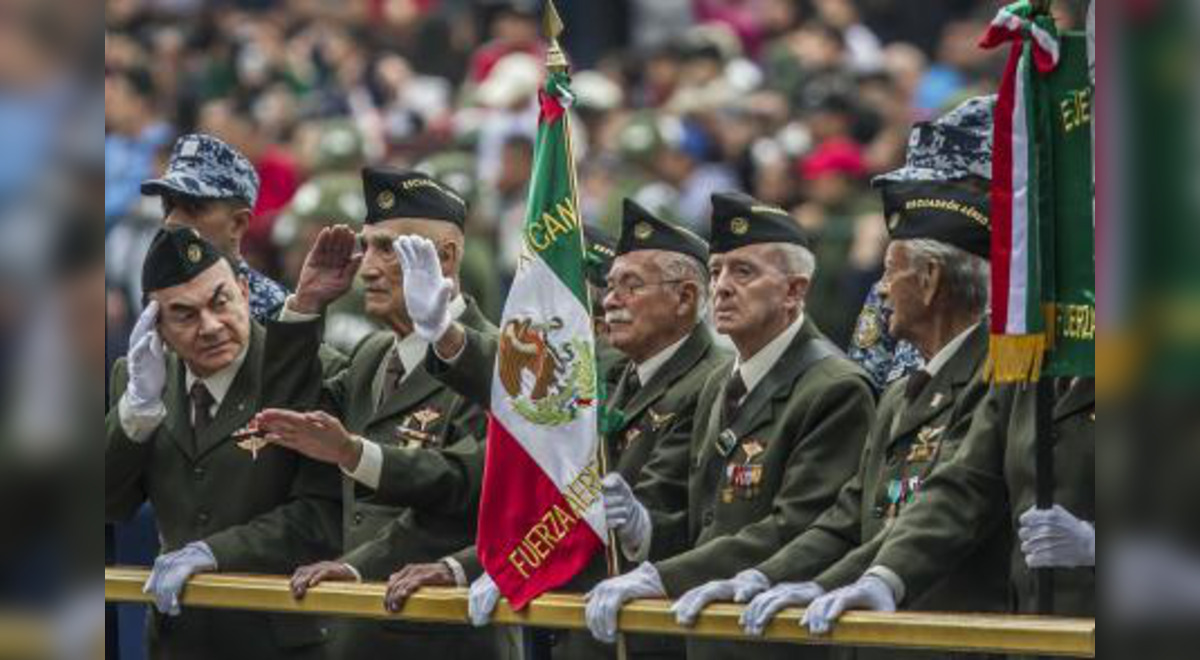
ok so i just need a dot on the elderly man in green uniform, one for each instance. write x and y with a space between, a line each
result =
411 449
655 302
936 282
778 434
992 482
173 439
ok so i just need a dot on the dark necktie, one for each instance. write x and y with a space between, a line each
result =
202 403
391 379
735 391
917 382
629 387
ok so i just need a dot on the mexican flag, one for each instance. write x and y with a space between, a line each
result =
541 518
1043 204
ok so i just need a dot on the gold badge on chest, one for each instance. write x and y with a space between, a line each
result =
659 421
926 446
250 439
628 438
413 432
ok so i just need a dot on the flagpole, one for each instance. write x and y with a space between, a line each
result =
556 62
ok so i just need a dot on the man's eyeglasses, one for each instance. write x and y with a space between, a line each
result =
629 289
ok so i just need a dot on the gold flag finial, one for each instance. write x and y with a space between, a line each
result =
552 27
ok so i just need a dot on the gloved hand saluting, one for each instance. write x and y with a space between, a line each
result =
427 293
147 365
1053 538
625 515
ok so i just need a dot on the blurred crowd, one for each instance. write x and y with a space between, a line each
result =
798 102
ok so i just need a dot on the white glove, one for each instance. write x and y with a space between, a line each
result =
869 593
604 602
481 600
427 293
173 570
147 365
767 604
625 515
740 589
1053 538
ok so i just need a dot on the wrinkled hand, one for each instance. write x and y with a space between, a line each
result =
481 600
625 514
427 293
869 593
1053 538
173 570
766 605
604 602
409 579
317 435
307 577
740 589
328 271
147 363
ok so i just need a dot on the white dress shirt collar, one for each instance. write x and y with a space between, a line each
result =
412 349
219 383
939 361
754 370
647 369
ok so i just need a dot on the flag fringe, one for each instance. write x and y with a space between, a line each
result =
1015 358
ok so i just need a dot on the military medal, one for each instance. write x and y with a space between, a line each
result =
752 448
659 421
631 436
252 440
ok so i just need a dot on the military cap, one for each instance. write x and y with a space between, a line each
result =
739 220
641 230
392 194
204 167
456 169
339 146
601 250
955 146
942 211
177 255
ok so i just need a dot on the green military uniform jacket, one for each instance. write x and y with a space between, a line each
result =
648 446
426 504
990 483
765 475
268 515
909 438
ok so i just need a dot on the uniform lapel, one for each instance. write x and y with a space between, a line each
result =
690 353
1081 396
758 408
240 403
417 387
179 422
942 392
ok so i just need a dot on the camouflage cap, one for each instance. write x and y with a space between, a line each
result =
204 167
957 145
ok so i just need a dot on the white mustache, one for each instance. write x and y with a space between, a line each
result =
618 316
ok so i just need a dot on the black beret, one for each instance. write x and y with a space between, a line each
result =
739 220
176 256
601 251
942 211
640 230
392 194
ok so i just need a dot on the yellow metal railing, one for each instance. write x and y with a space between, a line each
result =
1016 635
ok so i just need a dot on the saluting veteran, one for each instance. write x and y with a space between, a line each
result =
411 449
778 435
192 380
655 301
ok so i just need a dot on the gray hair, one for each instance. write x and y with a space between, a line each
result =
967 277
796 259
676 266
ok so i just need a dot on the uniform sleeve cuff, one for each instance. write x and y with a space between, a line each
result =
370 465
460 575
286 315
891 579
139 425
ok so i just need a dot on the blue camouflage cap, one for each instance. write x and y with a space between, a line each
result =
954 146
204 167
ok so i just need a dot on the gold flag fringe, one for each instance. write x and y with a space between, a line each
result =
1015 358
